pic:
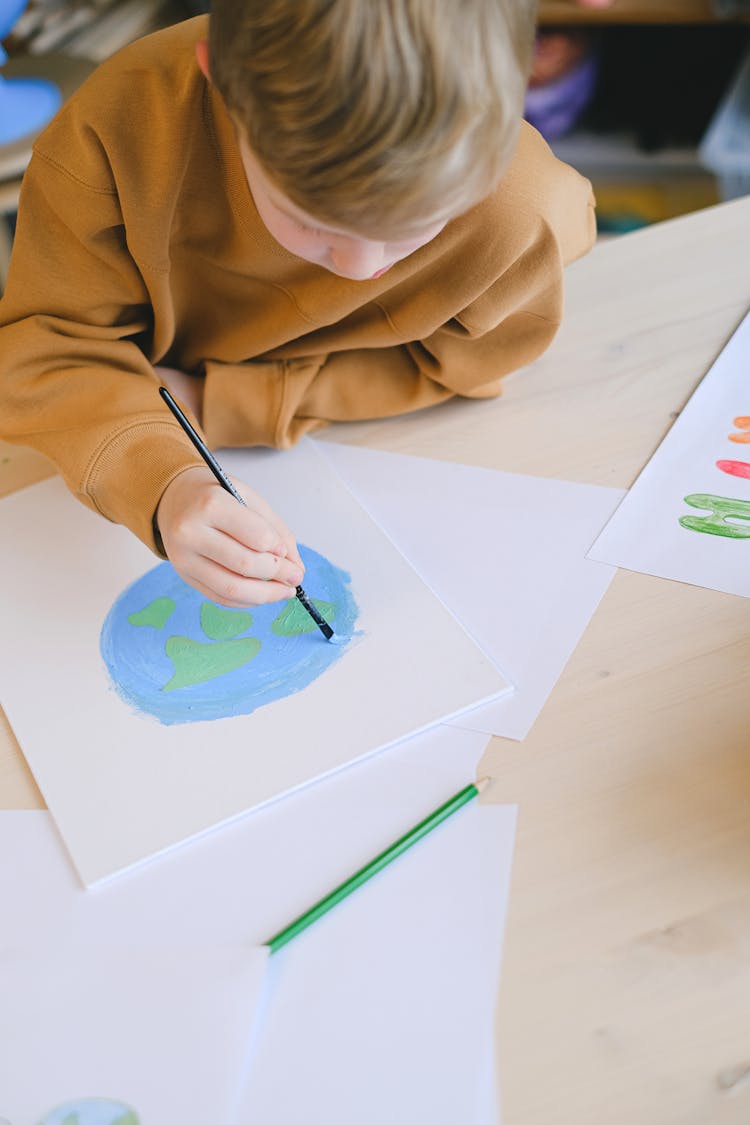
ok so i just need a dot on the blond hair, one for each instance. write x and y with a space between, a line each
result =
376 115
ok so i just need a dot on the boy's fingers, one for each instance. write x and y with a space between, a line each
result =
256 503
291 553
247 563
252 530
273 568
292 550
238 593
288 545
262 531
222 586
235 554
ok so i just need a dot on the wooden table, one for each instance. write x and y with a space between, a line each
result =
626 980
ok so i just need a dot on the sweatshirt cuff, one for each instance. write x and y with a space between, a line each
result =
242 402
127 478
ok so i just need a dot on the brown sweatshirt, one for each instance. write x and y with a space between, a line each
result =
138 243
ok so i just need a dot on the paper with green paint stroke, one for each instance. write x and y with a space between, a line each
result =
687 517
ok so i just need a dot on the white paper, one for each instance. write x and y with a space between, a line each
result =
705 455
166 1034
121 785
241 884
504 551
399 1028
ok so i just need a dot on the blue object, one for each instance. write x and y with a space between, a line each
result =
160 630
92 1111
26 104
10 10
555 107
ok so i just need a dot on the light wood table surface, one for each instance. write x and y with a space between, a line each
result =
625 996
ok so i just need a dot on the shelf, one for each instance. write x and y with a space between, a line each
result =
634 188
640 138
633 11
617 152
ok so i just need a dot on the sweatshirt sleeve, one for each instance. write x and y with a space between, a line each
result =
74 382
508 325
275 402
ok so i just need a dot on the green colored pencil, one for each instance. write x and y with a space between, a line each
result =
377 864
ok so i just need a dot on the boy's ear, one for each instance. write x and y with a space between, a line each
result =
201 54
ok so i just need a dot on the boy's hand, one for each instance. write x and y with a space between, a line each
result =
237 556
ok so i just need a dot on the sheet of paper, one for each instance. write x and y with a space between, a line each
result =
241 884
687 516
164 1035
116 668
360 1049
505 552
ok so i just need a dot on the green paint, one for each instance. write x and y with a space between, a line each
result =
222 624
72 1119
294 618
128 1118
197 663
157 613
722 509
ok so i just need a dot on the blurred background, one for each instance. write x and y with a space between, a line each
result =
649 98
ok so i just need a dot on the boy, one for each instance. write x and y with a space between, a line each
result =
326 210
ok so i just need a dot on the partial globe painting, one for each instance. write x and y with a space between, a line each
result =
175 655
90 1111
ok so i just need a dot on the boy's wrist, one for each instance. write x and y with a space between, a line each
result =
188 389
158 541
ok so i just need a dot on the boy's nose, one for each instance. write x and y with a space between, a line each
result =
358 260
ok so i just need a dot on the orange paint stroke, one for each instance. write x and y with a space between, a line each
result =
742 423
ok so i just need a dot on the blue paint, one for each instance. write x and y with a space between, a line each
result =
140 668
91 1111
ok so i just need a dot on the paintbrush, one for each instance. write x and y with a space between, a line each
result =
226 483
